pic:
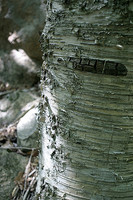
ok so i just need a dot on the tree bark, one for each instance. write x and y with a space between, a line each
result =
87 135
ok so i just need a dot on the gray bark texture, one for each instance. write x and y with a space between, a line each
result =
87 91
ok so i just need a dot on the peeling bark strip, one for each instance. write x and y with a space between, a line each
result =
87 136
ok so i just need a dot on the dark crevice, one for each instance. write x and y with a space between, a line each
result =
99 66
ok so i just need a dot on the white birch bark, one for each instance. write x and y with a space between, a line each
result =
87 135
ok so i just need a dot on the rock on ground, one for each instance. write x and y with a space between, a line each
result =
14 104
27 132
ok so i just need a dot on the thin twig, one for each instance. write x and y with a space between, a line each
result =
26 172
32 172
17 148
6 92
26 193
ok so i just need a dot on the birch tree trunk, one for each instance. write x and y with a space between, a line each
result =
87 91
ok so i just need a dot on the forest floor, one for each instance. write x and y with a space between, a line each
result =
25 181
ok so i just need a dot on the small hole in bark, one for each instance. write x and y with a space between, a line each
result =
78 142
